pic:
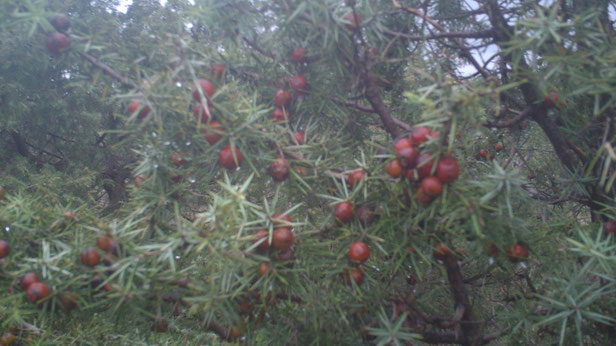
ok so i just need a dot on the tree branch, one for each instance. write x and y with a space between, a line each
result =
125 81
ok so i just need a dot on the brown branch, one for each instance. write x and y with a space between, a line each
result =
441 35
367 109
511 122
254 46
123 80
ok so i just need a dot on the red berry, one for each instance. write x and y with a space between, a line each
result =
200 112
60 22
354 274
282 98
423 197
483 153
411 175
298 82
551 99
402 143
134 106
498 147
458 134
299 137
447 170
217 70
262 234
610 227
279 169
355 177
491 249
56 42
226 159
343 211
282 238
393 168
68 300
5 249
408 157
354 20
90 257
359 252
424 165
280 115
298 55
37 291
431 186
106 243
206 87
140 179
518 252
214 133
27 280
177 159
263 268
280 220
365 215
420 135
441 251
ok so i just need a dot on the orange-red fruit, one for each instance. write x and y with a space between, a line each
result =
56 42
90 257
359 252
393 168
354 20
263 268
214 134
282 238
441 251
517 252
483 153
498 147
262 234
37 291
140 179
279 169
282 98
610 227
225 157
217 70
106 243
407 157
27 280
68 300
354 274
432 186
207 88
355 177
551 99
424 165
447 170
420 135
458 134
343 211
299 137
280 115
134 105
177 160
364 214
402 143
7 339
60 22
298 82
5 249
423 197
411 175
200 112
281 221
298 54
491 249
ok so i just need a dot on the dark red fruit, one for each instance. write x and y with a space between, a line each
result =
447 170
90 257
424 165
60 22
610 227
106 243
411 175
262 234
200 112
551 99
279 169
365 215
282 98
5 249
281 221
354 274
135 106
359 252
354 20
298 55
287 255
217 70
355 177
518 252
280 115
177 160
420 135
491 249
483 153
393 168
441 251
343 211
68 300
7 339
498 147
299 137
407 157
282 238
214 134
27 280
263 268
298 82
423 197
226 159
432 186
207 88
56 42
140 179
402 143
37 291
